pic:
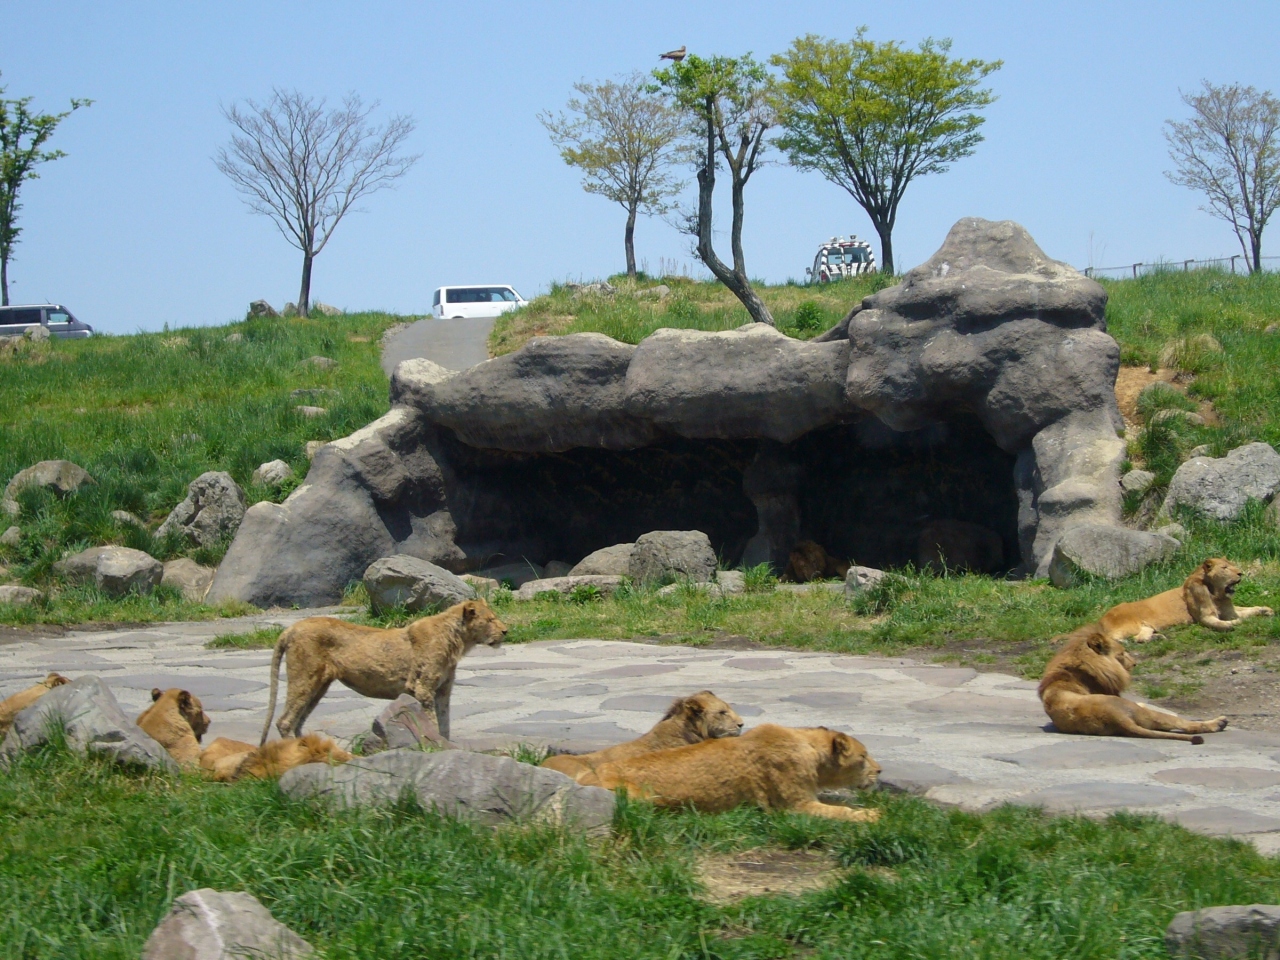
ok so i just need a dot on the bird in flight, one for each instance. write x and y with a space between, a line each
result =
674 55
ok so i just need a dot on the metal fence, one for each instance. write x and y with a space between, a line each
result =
1236 264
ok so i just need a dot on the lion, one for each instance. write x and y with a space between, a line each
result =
810 561
272 760
1203 598
177 720
419 659
10 708
703 716
221 749
776 768
1081 690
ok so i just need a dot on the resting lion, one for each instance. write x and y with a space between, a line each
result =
1081 691
810 561
271 760
14 705
703 716
419 659
777 768
1203 598
177 720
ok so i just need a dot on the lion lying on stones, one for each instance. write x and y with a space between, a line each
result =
177 720
1203 598
703 716
419 659
275 758
776 768
1081 690
14 705
810 561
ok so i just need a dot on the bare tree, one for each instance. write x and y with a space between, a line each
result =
625 139
304 166
1229 150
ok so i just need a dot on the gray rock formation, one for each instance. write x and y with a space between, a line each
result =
1225 933
213 510
208 924
1106 551
859 579
272 474
673 554
566 585
979 390
491 790
612 561
114 570
61 476
260 308
1137 481
19 596
127 519
12 537
414 584
405 724
92 722
324 309
1220 487
191 579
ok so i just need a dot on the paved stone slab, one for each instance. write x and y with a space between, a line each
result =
940 676
640 702
1100 795
1225 778
1225 820
635 670
961 702
826 699
214 686
573 690
912 776
1072 755
607 732
756 663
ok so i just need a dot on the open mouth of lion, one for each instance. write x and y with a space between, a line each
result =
1230 589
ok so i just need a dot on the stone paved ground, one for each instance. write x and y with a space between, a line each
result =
952 734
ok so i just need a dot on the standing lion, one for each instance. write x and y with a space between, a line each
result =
1205 598
419 659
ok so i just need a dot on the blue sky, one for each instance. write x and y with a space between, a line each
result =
136 227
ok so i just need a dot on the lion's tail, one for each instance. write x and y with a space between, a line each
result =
282 644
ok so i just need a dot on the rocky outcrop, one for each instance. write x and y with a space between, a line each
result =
189 578
978 391
211 925
614 561
414 584
116 571
405 724
1225 933
1106 551
565 586
19 596
272 474
1220 487
212 510
61 476
673 554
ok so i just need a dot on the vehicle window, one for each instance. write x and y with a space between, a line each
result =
509 295
58 316
26 317
435 300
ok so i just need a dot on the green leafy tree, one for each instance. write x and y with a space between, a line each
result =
732 103
871 117
23 135
1229 150
626 139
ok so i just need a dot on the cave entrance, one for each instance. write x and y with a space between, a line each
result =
861 490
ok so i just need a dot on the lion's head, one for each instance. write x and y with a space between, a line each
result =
181 703
844 761
1221 576
704 716
1092 659
480 625
54 680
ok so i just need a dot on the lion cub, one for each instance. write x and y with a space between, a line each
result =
703 716
419 659
14 705
776 768
1081 691
1203 598
177 720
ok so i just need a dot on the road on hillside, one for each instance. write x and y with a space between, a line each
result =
456 344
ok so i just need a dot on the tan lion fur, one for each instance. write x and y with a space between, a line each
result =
419 659
810 561
277 757
776 768
221 749
1081 690
1203 598
703 716
14 705
177 720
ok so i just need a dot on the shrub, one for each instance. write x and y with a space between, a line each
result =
808 316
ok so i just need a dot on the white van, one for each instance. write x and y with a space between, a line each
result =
467 303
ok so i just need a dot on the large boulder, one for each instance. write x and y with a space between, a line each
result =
667 554
612 561
1219 487
61 476
1225 933
212 511
189 578
1105 551
490 790
209 924
414 584
260 308
115 571
92 722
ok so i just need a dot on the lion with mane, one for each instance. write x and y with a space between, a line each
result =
1205 598
703 716
1081 690
275 758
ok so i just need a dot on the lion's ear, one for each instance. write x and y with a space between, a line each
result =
469 610
840 746
184 700
156 693
1098 643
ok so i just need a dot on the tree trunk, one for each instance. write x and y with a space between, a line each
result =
631 242
885 232
304 295
4 281
1255 239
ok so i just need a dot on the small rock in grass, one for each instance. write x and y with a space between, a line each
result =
127 519
1219 487
1189 416
208 924
19 596
566 585
188 577
11 537
1175 530
309 411
320 363
859 579
325 310
115 571
1137 481
1203 450
234 337
413 584
36 333
1218 933
272 474
61 476
312 447
260 308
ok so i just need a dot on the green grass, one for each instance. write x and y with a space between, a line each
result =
252 640
91 858
148 413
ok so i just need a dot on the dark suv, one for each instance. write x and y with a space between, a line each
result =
54 317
